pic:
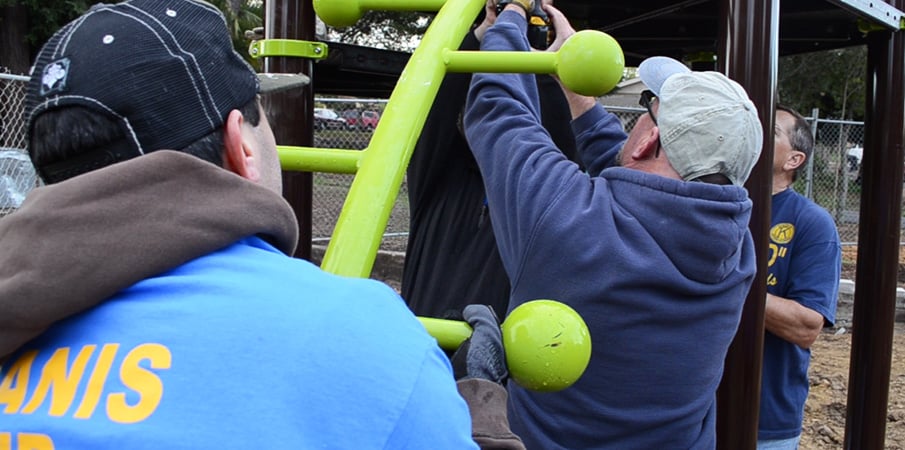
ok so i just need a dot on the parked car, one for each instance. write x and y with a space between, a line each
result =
853 157
327 119
370 119
853 160
361 120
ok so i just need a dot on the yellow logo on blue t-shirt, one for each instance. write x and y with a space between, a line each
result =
782 233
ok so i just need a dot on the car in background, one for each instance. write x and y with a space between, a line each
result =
853 158
361 120
370 119
853 161
327 119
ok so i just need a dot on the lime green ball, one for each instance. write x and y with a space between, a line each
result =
590 63
547 344
338 13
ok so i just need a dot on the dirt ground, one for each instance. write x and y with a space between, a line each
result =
825 410
824 417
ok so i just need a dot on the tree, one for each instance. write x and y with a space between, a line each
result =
832 80
242 15
26 24
389 30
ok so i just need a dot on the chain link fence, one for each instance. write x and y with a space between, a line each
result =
348 124
17 176
832 176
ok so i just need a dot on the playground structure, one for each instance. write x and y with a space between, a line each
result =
589 63
746 46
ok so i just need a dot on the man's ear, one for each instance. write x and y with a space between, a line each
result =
647 145
796 159
238 154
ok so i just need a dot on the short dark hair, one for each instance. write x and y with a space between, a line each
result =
801 138
65 133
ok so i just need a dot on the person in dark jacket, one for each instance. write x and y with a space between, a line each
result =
451 258
650 245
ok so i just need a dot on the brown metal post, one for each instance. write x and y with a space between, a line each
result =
880 219
748 53
291 112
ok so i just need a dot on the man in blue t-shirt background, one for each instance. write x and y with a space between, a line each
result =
805 259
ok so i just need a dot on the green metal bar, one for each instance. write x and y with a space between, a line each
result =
309 159
590 62
449 333
287 47
360 225
342 13
500 62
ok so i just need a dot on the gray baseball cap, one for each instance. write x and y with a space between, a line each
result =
708 125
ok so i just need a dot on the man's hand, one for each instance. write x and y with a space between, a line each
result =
561 24
489 19
482 355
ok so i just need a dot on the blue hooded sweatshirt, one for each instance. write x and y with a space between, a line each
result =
172 317
658 268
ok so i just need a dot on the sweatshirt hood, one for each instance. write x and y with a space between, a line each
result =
74 244
702 235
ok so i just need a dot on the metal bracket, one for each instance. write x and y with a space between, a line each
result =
287 47
865 26
877 13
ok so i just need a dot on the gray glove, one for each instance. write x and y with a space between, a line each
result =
481 355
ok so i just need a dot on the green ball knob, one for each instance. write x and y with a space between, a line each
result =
590 63
547 344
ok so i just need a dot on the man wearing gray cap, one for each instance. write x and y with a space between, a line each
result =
651 245
147 299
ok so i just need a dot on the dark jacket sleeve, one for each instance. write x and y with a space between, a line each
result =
441 144
489 422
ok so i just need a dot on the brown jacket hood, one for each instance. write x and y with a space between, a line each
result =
74 244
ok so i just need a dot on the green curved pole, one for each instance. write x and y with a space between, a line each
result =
359 228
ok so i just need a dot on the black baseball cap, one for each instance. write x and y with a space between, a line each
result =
164 69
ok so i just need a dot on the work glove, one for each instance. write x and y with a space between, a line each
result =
527 5
481 355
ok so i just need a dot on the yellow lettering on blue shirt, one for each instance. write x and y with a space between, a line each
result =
54 376
58 385
15 384
26 441
144 382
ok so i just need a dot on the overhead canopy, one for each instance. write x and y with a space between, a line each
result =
684 30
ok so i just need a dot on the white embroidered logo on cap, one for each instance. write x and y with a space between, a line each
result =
54 77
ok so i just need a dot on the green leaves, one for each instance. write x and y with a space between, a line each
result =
391 30
831 80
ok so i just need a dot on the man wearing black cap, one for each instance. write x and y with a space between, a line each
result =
655 255
146 295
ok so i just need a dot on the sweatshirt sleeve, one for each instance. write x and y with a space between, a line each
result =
440 145
524 172
599 136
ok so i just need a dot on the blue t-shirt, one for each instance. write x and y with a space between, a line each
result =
244 348
804 263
